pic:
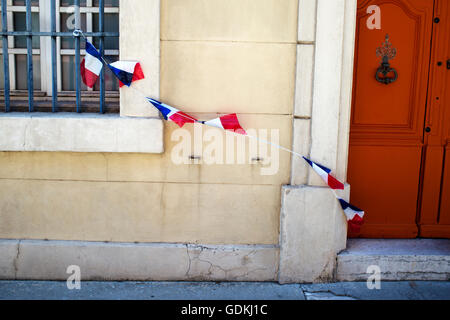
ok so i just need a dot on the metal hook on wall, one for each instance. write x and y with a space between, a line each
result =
386 52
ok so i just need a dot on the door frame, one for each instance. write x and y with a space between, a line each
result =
436 145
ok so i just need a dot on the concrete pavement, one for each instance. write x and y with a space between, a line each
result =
127 290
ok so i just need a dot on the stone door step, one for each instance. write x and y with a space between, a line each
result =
397 259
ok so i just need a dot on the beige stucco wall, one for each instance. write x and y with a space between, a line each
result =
216 56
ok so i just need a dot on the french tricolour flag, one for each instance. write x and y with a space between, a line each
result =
175 115
227 122
325 174
91 66
127 72
354 215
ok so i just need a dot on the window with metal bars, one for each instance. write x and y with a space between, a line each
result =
41 57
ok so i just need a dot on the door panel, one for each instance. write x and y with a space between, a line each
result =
403 26
386 196
435 206
387 122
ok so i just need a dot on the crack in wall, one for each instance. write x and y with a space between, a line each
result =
325 275
213 270
16 260
25 133
189 261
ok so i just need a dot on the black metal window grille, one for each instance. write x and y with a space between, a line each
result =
25 34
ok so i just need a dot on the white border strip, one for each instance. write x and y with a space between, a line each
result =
80 133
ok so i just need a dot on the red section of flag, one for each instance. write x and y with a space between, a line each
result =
354 225
231 122
89 78
333 183
138 74
180 118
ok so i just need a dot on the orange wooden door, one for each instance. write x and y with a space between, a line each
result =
387 122
435 205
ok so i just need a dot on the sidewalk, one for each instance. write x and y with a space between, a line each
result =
95 290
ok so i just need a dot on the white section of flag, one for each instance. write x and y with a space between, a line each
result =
93 64
215 123
127 66
323 174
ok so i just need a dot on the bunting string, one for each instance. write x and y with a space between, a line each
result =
128 72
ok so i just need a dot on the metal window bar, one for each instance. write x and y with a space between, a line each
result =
54 70
29 57
53 34
5 55
101 25
77 55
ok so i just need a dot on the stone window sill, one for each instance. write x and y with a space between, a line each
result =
83 132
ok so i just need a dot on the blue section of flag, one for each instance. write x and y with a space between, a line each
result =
154 100
90 49
322 167
309 161
125 77
164 111
345 205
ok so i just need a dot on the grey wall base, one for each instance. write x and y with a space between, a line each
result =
48 260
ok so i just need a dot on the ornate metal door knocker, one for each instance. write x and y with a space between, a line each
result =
386 52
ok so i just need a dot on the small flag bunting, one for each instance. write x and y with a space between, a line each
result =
354 216
175 115
127 72
130 71
325 174
91 66
228 122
